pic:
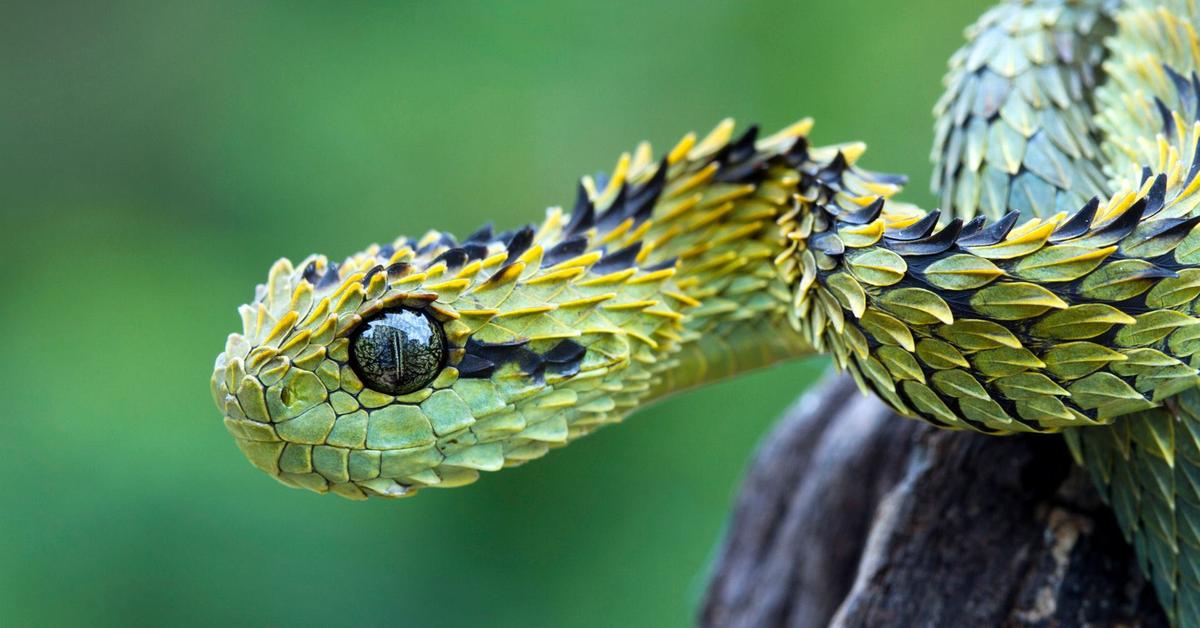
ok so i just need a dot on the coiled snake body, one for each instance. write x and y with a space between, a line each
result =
1055 291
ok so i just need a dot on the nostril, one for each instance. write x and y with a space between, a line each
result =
298 391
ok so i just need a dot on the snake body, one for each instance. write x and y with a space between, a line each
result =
1055 293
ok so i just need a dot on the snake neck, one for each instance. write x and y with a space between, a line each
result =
749 244
715 224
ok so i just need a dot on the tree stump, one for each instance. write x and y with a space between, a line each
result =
853 516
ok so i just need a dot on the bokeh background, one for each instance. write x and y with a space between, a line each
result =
156 157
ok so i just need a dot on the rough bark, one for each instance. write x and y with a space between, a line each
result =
852 516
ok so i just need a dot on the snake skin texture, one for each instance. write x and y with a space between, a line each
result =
1055 291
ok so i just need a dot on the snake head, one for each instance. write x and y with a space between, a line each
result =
404 366
423 363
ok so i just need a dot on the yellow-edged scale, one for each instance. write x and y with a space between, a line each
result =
1071 127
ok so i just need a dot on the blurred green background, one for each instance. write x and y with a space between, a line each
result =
157 157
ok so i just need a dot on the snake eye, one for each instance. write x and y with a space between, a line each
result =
398 351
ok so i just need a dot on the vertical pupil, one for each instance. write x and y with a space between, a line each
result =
397 352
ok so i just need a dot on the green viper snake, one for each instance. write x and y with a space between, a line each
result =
1055 291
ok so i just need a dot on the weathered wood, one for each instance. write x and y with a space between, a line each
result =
852 516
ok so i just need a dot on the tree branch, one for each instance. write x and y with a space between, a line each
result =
853 516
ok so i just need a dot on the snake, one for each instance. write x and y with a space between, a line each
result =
1054 291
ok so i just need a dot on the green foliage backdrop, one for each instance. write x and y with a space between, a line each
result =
156 157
